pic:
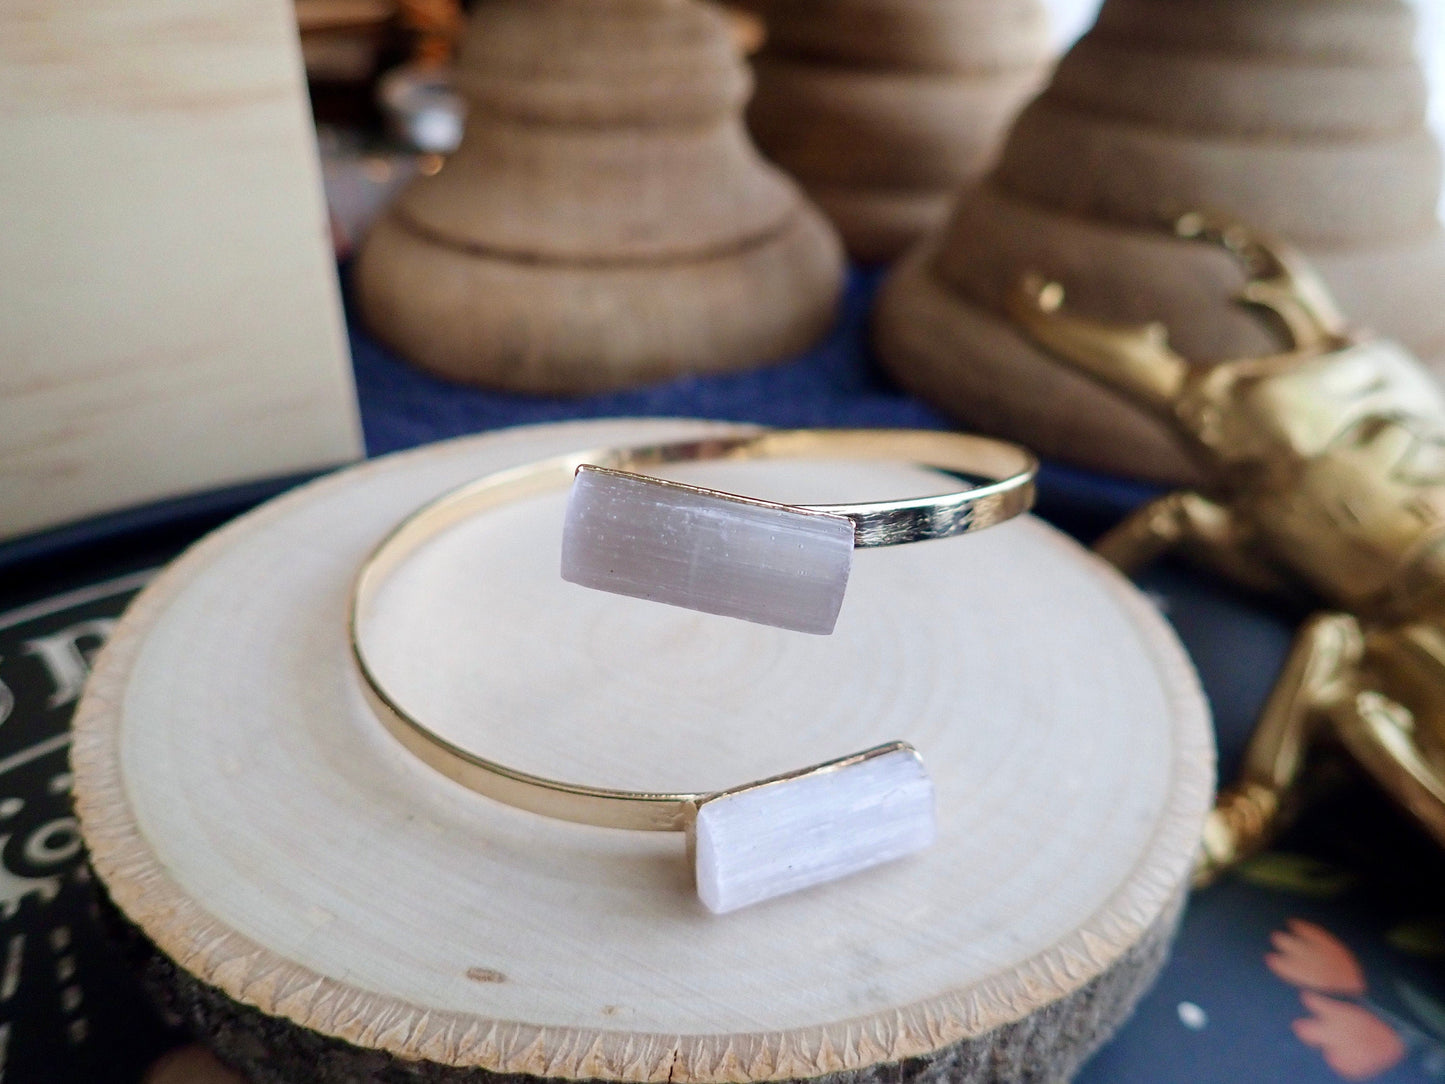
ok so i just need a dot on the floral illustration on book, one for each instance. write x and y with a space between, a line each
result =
1355 1035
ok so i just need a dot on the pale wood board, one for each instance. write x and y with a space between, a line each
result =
170 313
258 826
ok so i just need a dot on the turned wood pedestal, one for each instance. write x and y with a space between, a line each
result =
606 221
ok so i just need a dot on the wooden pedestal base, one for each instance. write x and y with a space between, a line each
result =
555 328
605 221
325 907
940 329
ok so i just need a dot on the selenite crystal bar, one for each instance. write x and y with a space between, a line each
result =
770 839
687 547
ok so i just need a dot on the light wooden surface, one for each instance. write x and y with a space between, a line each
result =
259 827
605 221
875 105
169 313
1304 120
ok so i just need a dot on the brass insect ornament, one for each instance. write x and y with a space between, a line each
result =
1326 468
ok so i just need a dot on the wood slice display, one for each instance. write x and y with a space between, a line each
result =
883 109
605 221
323 906
1306 120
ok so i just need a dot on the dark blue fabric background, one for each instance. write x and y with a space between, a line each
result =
836 383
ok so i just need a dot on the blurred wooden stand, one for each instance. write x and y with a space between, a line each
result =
605 221
342 40
883 109
318 897
1302 119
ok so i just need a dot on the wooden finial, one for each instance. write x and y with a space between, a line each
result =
883 109
605 221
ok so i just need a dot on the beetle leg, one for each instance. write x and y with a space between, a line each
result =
1319 674
1191 523
1133 359
1280 280
1161 525
1397 740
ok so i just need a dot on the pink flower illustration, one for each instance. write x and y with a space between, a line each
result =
1353 1039
1355 1042
1312 958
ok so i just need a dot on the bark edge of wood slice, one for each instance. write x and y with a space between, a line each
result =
251 925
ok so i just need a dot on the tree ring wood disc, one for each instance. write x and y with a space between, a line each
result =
288 858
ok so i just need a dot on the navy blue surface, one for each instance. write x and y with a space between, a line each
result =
836 383
198 509
833 384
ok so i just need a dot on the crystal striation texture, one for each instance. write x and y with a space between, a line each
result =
705 551
768 839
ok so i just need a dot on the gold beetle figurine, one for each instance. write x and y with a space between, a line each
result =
1327 472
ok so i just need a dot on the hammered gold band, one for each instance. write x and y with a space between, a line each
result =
1007 472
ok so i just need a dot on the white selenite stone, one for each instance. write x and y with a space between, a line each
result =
675 544
766 840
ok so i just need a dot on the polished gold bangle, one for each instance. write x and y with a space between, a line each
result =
1007 474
